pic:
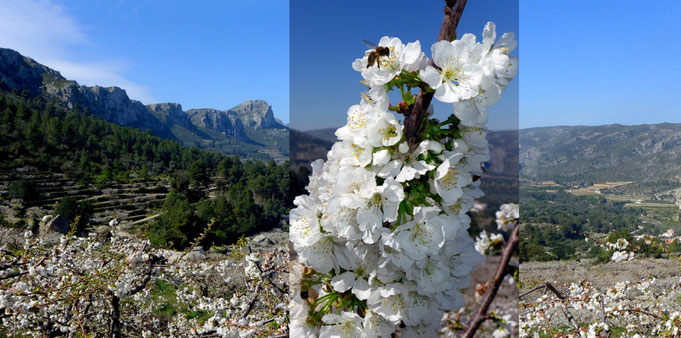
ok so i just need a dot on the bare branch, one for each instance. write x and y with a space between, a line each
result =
549 287
114 301
602 309
482 315
266 275
12 275
543 286
147 276
639 311
252 302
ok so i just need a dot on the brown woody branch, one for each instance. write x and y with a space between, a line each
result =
549 287
252 302
639 311
147 276
115 303
482 315
267 275
412 123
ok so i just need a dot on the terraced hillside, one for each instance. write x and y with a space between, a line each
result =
130 203
89 171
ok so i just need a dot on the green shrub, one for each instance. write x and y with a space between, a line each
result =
73 210
25 190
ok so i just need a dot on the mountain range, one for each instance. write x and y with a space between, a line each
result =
309 145
248 129
587 154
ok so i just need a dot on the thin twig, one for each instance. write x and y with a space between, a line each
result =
252 302
564 299
602 309
267 276
543 286
639 311
481 315
569 316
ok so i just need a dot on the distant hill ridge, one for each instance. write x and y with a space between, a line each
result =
306 146
246 129
582 154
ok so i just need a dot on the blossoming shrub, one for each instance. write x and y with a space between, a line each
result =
634 309
381 238
115 282
648 307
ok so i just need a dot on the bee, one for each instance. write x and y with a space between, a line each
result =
376 53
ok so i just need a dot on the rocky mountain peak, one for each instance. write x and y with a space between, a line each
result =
168 111
23 73
222 121
256 114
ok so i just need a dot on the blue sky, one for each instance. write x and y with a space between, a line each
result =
600 62
327 36
198 53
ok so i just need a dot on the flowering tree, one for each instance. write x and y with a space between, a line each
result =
114 284
638 309
381 239
647 307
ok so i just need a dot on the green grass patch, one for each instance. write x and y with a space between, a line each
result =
165 294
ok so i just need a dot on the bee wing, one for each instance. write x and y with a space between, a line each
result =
370 44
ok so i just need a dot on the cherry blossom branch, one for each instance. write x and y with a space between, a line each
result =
147 276
267 276
452 13
482 315
252 302
18 274
12 275
639 311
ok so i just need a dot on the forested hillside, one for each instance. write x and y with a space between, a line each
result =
248 130
41 143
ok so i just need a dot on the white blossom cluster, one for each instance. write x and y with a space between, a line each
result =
507 215
381 238
68 288
484 243
640 309
506 218
621 250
